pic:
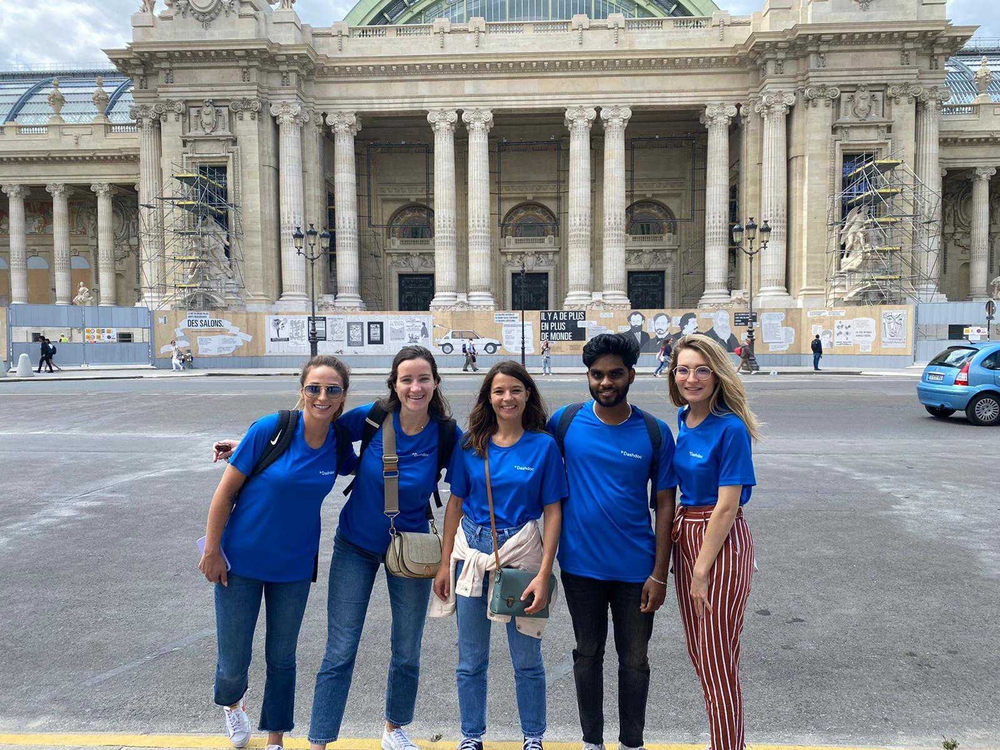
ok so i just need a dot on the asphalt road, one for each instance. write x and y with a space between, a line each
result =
873 619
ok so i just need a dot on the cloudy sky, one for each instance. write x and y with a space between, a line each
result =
29 29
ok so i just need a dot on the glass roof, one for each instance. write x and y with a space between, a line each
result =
961 76
24 96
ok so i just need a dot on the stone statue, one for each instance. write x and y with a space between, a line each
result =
854 238
148 6
100 99
83 296
984 77
57 101
283 4
996 287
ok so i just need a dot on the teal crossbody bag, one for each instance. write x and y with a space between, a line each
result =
509 583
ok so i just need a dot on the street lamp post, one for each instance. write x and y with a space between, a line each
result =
312 256
521 295
750 233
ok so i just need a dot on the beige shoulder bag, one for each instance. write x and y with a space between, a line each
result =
411 554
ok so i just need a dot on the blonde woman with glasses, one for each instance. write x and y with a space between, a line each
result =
713 549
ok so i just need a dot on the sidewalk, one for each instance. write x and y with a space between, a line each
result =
135 372
218 742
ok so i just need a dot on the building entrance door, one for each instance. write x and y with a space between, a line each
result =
535 291
645 290
416 290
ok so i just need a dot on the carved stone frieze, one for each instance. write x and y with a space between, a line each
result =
862 104
910 91
647 259
533 260
411 261
822 93
204 11
247 106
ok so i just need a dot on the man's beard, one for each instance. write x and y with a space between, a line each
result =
620 395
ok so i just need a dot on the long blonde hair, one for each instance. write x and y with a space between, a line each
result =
729 394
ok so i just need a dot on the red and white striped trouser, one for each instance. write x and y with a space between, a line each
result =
713 642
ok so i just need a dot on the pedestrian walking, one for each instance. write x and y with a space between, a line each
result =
663 357
265 546
469 350
176 357
744 351
507 475
817 349
52 354
612 451
713 551
546 358
44 355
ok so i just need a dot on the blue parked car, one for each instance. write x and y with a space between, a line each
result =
966 377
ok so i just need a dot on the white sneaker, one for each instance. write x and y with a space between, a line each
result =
591 746
397 739
626 747
274 747
238 723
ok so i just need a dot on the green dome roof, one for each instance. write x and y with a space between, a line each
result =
380 12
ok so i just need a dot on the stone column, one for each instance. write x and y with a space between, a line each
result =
105 244
615 121
717 118
979 266
773 107
314 184
445 231
479 122
60 242
929 192
18 244
578 120
150 213
291 116
345 126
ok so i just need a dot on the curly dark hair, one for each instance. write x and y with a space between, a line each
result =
438 407
483 420
618 344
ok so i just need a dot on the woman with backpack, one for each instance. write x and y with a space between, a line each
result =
508 473
713 550
260 545
423 437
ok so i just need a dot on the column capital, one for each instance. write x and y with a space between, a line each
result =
718 115
478 119
15 191
144 115
934 97
774 103
615 117
443 120
344 122
103 189
983 173
57 189
290 113
247 105
580 117
823 93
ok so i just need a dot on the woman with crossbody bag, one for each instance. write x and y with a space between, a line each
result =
508 474
388 508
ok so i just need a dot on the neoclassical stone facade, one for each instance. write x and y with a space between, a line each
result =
461 161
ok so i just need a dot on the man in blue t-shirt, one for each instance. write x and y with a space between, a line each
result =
609 554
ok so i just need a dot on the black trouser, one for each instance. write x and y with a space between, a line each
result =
45 361
588 600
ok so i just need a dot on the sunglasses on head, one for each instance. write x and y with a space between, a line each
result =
332 391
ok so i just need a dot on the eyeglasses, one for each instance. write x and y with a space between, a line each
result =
699 373
332 391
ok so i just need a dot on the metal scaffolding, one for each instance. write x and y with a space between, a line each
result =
880 238
196 232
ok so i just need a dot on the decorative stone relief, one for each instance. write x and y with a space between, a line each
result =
865 5
166 107
205 11
823 93
533 261
57 101
911 91
283 4
245 106
410 261
647 259
862 104
207 118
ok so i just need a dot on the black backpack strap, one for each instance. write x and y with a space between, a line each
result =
656 440
563 426
343 445
288 422
446 446
373 421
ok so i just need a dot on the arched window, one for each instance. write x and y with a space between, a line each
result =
414 222
530 220
78 261
37 263
3 265
650 218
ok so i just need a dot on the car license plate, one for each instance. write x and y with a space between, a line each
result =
935 376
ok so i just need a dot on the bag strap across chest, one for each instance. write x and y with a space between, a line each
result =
493 518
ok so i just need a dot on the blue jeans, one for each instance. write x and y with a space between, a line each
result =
236 608
352 576
660 366
816 358
474 654
546 364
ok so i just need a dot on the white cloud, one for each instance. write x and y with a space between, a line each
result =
75 31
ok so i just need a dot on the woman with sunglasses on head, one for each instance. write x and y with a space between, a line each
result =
509 462
713 549
262 541
424 432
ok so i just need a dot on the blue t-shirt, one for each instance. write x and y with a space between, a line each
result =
716 453
607 532
273 532
525 477
362 520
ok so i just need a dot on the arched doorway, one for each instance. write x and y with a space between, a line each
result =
80 273
39 281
